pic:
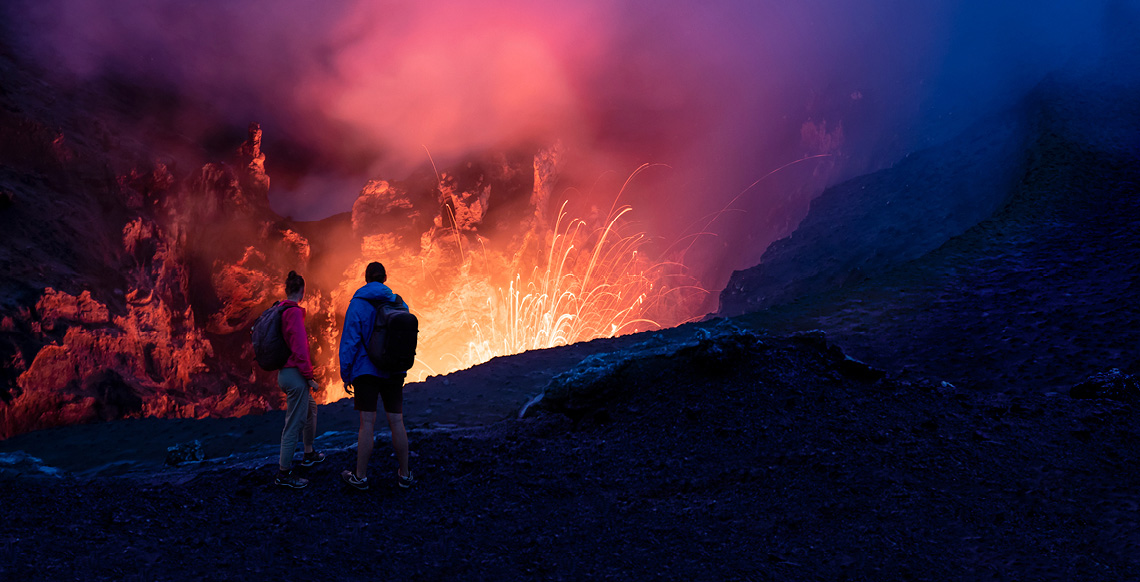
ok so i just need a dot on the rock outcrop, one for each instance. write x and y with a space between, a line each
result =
254 179
242 288
183 453
385 209
598 380
1113 385
192 264
56 307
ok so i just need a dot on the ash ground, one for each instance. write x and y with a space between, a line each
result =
744 458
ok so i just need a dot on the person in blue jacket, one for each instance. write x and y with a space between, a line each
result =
366 383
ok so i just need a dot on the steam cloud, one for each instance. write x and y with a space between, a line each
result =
720 91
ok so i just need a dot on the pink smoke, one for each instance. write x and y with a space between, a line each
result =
718 92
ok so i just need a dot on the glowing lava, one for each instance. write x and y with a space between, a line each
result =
573 281
591 285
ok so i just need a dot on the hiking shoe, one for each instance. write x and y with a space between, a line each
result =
312 458
351 478
288 479
406 482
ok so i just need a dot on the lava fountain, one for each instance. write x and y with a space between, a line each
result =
591 285
530 283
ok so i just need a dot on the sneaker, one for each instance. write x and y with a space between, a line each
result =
288 479
312 458
351 478
407 481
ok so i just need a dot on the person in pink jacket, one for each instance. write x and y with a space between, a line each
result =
296 379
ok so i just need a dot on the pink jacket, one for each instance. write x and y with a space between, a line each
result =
293 328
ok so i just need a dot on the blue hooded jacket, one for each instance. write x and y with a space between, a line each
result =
358 322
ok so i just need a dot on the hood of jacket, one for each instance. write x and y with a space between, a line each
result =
374 291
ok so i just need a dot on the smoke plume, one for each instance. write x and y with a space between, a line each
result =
719 93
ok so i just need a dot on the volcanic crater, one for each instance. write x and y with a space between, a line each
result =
930 379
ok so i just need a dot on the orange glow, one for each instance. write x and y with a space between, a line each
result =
568 283
583 291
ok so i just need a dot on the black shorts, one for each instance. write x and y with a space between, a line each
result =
367 387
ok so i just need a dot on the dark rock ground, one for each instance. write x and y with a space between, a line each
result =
768 459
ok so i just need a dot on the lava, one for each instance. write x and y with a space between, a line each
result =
591 285
559 282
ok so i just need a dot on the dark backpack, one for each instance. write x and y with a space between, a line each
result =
269 346
392 347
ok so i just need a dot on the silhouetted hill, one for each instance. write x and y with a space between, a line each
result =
1038 293
871 223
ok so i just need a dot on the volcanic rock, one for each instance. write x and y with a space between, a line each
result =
861 371
216 200
1113 384
56 306
114 396
383 208
112 284
254 180
464 196
241 289
85 379
721 352
21 464
84 353
139 239
170 348
817 139
600 378
216 194
547 166
159 269
100 369
145 187
190 452
293 244
233 402
587 387
444 248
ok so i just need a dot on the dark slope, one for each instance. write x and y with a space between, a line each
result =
874 222
55 165
1034 298
475 397
737 457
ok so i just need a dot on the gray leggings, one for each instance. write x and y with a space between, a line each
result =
300 414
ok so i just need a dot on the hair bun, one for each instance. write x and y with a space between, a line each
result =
293 283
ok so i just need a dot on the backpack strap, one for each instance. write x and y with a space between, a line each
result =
376 303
